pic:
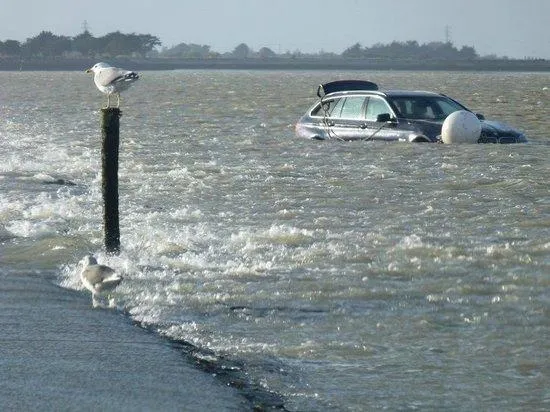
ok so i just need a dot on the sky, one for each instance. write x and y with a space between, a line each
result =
511 28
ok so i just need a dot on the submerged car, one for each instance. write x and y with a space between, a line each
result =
358 110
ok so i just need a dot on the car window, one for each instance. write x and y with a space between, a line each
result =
326 107
375 107
448 106
425 107
329 107
319 109
422 109
352 108
337 108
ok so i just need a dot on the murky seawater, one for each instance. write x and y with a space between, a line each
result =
352 276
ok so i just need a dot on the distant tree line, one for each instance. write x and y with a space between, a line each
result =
116 44
412 50
48 45
196 51
394 50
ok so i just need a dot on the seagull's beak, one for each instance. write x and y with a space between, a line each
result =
89 70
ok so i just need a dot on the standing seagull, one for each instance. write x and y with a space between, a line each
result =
112 80
98 278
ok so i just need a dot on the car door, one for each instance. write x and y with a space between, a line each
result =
374 129
347 118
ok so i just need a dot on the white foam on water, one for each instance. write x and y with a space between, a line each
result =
291 256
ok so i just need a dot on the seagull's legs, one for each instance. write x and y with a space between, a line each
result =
118 100
95 302
108 100
111 301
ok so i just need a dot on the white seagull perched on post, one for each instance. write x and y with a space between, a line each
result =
112 80
98 278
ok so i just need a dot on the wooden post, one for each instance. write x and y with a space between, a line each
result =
110 125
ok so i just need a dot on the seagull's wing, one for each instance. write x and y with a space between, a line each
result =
110 75
110 283
95 274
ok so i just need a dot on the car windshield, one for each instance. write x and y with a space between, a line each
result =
425 107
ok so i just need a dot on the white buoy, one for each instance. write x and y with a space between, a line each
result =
461 127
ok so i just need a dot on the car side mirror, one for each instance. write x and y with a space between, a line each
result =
480 116
384 118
